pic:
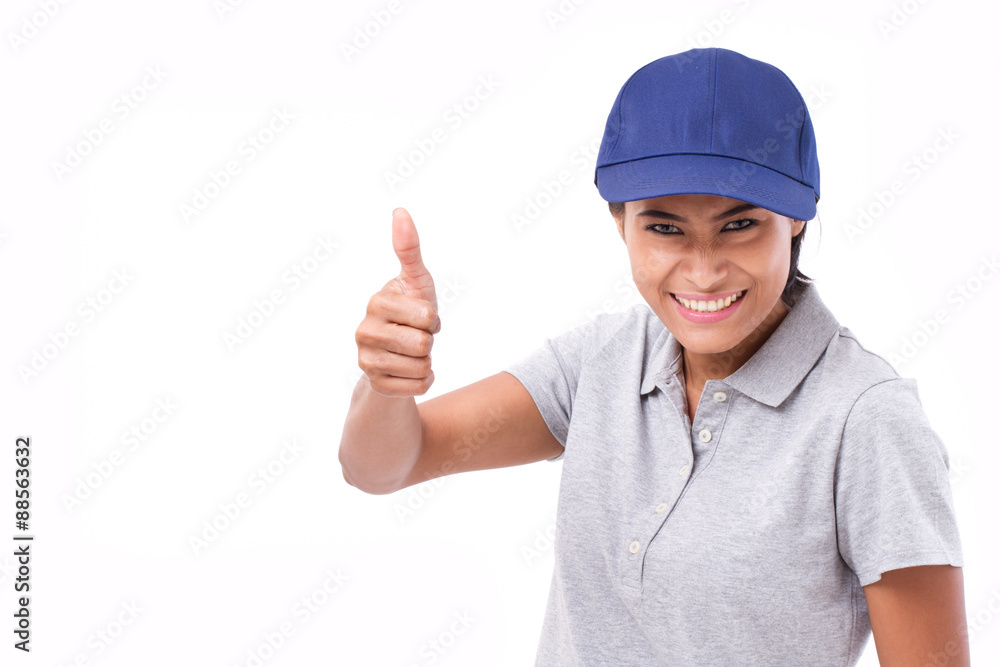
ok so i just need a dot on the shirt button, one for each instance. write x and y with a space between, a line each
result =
661 508
634 547
683 471
719 396
705 435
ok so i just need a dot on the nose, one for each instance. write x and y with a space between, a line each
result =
703 268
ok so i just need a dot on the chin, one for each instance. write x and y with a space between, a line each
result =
706 344
706 338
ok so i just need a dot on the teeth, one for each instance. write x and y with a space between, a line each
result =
709 306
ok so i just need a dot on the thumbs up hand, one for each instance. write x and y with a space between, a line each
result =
413 280
395 337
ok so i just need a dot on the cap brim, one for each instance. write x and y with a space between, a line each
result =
691 174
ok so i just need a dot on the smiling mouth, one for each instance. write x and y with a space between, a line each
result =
699 306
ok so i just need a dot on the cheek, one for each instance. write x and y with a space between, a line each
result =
768 261
649 265
780 256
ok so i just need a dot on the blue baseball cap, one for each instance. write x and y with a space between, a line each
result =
711 121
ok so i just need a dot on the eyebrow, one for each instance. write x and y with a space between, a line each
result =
652 213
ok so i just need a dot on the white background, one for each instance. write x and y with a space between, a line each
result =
877 98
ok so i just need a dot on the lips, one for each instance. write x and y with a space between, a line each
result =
708 303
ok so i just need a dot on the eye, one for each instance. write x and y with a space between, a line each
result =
653 227
749 223
745 223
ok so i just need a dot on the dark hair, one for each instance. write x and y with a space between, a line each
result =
794 275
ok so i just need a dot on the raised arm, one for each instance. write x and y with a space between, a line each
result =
389 442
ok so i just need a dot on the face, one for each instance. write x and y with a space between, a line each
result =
703 246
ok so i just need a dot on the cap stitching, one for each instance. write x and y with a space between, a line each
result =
621 101
802 126
728 157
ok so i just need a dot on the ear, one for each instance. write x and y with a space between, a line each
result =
797 227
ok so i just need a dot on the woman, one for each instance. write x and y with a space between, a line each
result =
743 482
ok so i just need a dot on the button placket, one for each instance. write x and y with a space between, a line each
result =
658 503
709 418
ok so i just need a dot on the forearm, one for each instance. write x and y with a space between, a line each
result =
381 439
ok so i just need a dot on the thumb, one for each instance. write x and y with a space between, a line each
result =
413 275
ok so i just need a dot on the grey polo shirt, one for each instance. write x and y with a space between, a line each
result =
745 536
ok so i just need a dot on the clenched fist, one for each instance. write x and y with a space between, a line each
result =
396 336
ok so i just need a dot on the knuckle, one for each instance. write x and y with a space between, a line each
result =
425 366
426 315
364 335
364 362
380 362
373 303
425 341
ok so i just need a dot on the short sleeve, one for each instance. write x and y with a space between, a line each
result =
551 374
893 498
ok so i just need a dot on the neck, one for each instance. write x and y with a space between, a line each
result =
700 368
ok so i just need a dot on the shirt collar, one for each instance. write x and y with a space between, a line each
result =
777 367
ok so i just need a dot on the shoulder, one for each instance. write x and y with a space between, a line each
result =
850 368
876 397
619 330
